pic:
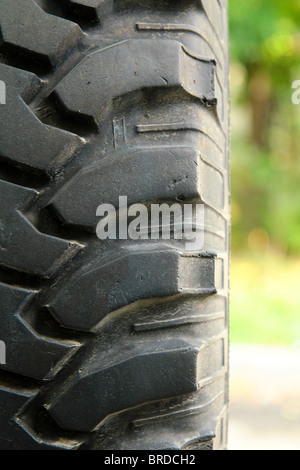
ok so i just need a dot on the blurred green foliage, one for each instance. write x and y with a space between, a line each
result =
265 32
265 161
265 61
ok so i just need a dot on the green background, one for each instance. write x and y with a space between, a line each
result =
265 162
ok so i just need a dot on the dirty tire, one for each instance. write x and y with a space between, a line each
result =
116 344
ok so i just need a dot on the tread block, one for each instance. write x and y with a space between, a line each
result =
25 26
23 344
133 276
150 373
170 173
23 138
134 65
22 246
175 423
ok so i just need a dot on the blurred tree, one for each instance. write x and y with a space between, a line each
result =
265 50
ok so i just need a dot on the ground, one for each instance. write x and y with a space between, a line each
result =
265 398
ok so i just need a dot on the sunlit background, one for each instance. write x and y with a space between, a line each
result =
265 290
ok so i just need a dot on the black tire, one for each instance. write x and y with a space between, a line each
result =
115 344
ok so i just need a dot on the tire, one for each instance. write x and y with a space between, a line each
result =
115 344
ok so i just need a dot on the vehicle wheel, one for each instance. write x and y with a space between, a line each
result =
118 343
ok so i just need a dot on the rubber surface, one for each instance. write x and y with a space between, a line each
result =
116 344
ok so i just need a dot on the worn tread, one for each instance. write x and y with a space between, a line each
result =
170 174
132 276
33 37
24 248
50 148
145 67
143 313
23 344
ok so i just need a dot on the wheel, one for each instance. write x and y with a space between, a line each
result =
117 343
